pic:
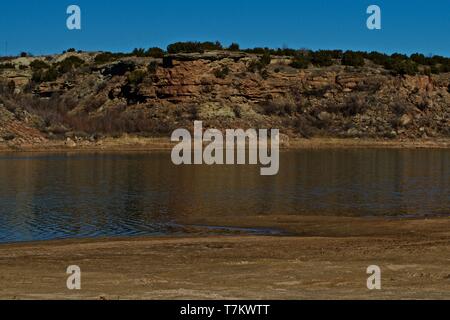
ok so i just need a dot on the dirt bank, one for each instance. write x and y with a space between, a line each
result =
325 258
153 144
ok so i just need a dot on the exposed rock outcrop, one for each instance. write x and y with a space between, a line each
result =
142 95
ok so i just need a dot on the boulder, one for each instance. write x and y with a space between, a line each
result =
405 120
70 143
325 116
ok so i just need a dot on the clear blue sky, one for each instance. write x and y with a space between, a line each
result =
39 26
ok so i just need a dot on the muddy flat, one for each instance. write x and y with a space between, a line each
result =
315 258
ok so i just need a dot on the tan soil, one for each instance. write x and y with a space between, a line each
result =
325 258
149 144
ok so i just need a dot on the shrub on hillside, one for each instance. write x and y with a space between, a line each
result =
404 67
103 58
435 69
42 75
351 58
69 64
446 67
234 47
39 64
274 52
257 50
284 52
185 47
265 59
152 67
210 46
254 66
138 52
193 47
399 56
222 73
50 75
7 66
261 64
136 77
11 87
439 64
378 58
334 54
353 106
155 52
397 63
300 62
322 58
420 59
272 108
305 127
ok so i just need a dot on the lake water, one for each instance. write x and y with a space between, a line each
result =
54 196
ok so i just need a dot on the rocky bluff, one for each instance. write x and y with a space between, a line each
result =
78 95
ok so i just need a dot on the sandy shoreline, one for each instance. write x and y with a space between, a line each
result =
316 258
325 258
154 144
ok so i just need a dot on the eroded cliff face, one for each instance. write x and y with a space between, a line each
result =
153 97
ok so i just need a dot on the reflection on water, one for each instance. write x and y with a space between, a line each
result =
88 195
